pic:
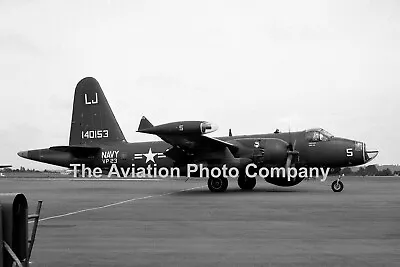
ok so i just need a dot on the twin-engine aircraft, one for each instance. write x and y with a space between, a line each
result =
96 140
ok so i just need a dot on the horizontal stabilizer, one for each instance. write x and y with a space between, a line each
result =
144 124
5 166
79 151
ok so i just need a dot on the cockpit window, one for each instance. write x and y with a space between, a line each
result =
318 135
326 133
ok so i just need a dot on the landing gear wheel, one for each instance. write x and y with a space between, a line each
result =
219 184
337 186
246 183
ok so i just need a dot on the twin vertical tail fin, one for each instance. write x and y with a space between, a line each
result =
93 121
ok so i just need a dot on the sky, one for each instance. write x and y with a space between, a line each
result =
252 66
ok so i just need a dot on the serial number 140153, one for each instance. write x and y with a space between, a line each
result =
95 134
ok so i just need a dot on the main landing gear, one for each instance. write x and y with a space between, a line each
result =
220 184
337 185
217 184
246 183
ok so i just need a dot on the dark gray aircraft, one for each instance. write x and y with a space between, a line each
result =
96 140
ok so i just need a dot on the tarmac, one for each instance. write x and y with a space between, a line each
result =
171 222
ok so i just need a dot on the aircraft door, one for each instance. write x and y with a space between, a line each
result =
124 160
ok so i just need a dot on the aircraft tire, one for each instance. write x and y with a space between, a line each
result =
337 186
218 184
246 183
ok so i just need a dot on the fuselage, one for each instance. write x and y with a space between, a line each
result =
335 152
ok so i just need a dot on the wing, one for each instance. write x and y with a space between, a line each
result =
188 141
199 147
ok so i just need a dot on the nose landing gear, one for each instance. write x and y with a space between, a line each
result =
337 185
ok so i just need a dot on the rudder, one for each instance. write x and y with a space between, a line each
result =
93 121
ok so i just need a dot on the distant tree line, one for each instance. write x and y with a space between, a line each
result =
370 170
23 169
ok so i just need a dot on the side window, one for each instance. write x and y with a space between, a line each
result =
323 137
316 136
312 136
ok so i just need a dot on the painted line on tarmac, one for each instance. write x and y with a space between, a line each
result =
114 204
116 179
87 179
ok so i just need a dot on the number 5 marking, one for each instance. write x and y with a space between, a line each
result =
349 152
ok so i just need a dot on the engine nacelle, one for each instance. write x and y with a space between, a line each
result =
266 151
182 127
275 151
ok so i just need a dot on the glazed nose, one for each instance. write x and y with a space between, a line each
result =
369 154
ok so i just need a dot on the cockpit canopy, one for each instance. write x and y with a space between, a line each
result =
317 135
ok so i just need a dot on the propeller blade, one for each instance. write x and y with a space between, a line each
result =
291 152
288 164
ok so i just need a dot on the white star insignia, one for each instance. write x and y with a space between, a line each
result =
150 156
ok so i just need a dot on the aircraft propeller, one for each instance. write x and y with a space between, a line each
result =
290 153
